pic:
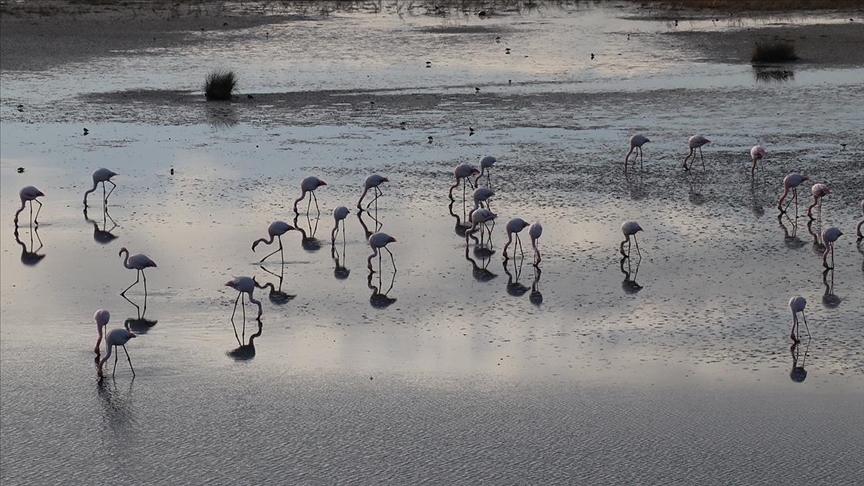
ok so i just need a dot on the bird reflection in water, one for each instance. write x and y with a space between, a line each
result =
246 352
481 272
695 193
790 239
139 324
460 228
116 404
29 255
102 235
514 287
818 248
308 240
635 185
340 271
629 284
798 374
757 205
536 297
829 298
378 299
276 295
366 231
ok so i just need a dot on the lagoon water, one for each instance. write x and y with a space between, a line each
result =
456 367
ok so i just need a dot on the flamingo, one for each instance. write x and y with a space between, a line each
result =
309 185
858 230
102 175
117 337
819 191
829 236
757 153
636 143
372 182
630 228
463 172
380 240
481 195
478 217
276 229
339 214
101 317
791 181
136 262
243 285
30 194
796 305
485 163
514 226
535 231
696 141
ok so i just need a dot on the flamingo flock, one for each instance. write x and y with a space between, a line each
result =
480 217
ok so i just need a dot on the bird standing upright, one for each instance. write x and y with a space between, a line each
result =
372 182
29 193
694 142
136 262
102 175
636 143
276 229
309 185
630 228
819 191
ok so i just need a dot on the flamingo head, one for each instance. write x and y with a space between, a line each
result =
321 183
122 250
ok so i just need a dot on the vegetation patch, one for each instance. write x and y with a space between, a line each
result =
773 52
219 85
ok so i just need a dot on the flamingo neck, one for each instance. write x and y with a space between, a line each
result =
302 195
359 201
126 259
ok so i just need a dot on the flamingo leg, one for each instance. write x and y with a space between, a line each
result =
627 240
792 332
309 203
637 245
271 254
115 362
702 157
281 252
316 204
144 276
232 319
805 323
129 359
113 186
392 260
488 180
519 242
243 308
641 161
343 233
137 278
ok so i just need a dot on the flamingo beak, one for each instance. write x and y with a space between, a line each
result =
392 240
131 334
322 183
228 283
384 179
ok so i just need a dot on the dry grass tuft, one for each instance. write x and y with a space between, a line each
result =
219 85
773 52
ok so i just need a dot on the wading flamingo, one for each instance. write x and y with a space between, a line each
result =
630 228
377 241
372 182
796 305
339 214
514 226
136 262
276 229
791 181
243 285
481 195
463 172
116 337
535 231
480 216
486 164
309 185
819 191
30 194
757 153
101 317
102 175
829 236
636 143
694 142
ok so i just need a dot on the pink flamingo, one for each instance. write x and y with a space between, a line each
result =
485 163
102 175
101 317
480 216
309 185
463 172
117 337
630 228
243 285
757 153
796 305
514 226
829 236
380 240
372 182
136 262
339 214
791 181
30 194
276 229
535 231
696 141
819 191
636 143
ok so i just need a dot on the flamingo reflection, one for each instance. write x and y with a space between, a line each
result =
829 298
798 374
378 299
629 284
340 271
481 273
246 352
460 228
276 295
29 255
514 287
790 239
139 324
308 240
366 231
536 297
102 235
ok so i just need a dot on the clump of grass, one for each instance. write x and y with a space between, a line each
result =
219 84
772 52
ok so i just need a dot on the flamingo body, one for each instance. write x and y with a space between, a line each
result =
796 305
463 172
696 142
339 214
309 184
818 191
114 338
102 175
858 230
136 262
636 143
29 194
244 285
372 182
376 242
275 230
535 231
101 317
791 181
486 164
757 153
630 228
514 226
829 236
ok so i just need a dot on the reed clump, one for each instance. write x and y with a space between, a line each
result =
773 52
219 85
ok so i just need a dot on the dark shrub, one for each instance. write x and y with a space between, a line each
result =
219 85
771 52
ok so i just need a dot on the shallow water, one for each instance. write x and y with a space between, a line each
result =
459 372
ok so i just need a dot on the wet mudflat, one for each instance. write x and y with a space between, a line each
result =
455 367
